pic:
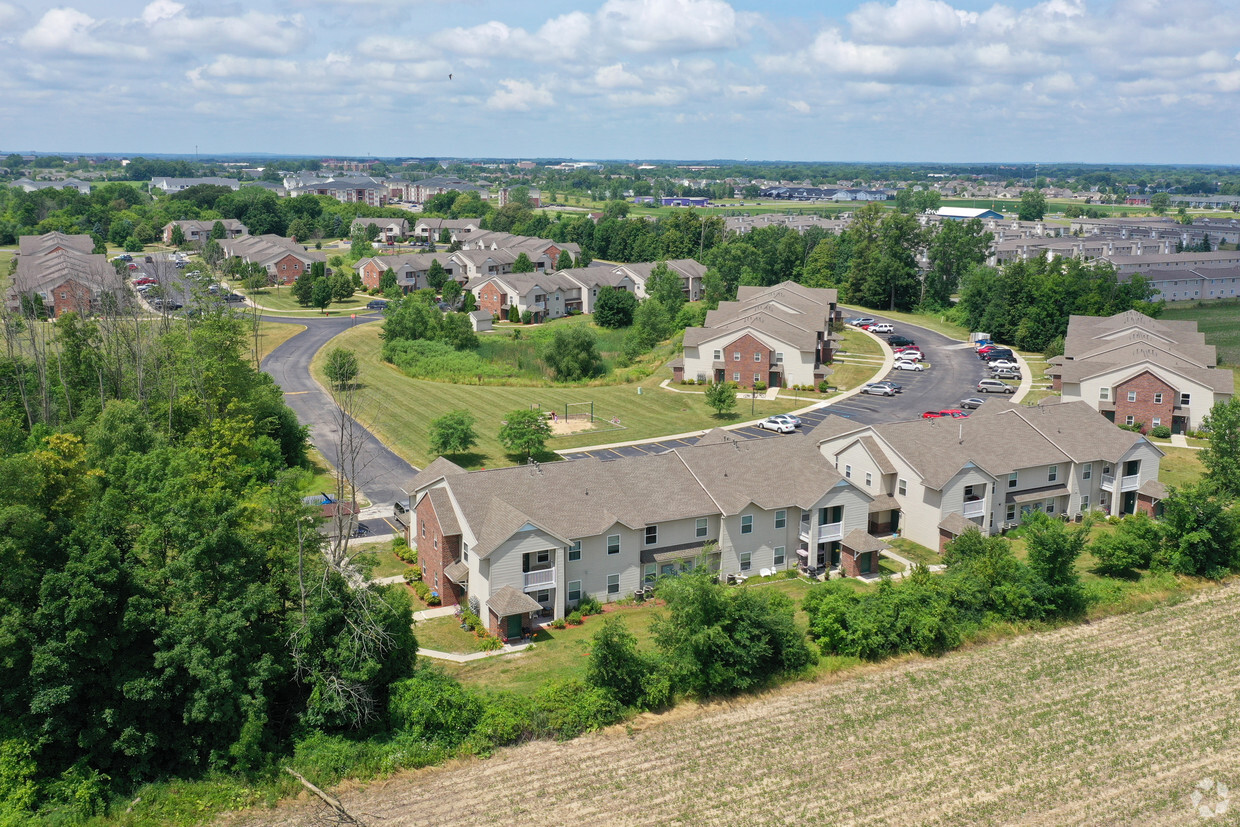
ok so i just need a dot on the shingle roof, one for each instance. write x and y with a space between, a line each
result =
456 572
30 245
861 541
876 453
955 523
444 511
1046 492
1153 489
509 601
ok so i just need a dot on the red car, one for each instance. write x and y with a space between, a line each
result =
946 412
932 415
145 280
133 266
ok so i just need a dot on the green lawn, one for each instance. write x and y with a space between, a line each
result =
444 634
1218 320
915 551
1181 466
400 409
935 322
281 299
387 564
856 343
273 334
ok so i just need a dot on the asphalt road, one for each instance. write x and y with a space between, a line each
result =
952 376
381 473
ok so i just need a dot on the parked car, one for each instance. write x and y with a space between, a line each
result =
898 388
1003 363
932 415
994 386
180 265
910 354
145 280
908 364
971 403
899 341
778 425
233 297
954 413
879 389
133 266
881 327
124 257
997 354
1006 374
980 343
862 322
376 304
795 420
148 259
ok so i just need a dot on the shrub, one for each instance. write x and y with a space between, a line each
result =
434 706
616 665
570 708
1160 432
527 317
490 643
589 605
575 619
558 623
422 590
824 386
1135 428
434 600
507 718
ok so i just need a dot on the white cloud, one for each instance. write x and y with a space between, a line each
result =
909 21
519 96
490 39
67 31
161 10
798 106
615 77
652 25
10 15
252 32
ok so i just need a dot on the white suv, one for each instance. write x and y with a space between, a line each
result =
882 327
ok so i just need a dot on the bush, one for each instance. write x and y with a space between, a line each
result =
507 718
569 708
422 590
402 549
616 665
558 623
824 386
527 317
434 600
1135 428
435 707
575 619
589 605
1160 432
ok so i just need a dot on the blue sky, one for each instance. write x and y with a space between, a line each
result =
901 80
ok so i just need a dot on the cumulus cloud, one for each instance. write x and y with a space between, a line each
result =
519 96
615 77
252 32
798 106
909 21
66 31
651 25
10 15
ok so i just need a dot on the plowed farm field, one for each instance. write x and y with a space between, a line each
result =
1129 720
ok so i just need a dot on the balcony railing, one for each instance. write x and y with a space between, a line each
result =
541 579
1108 482
830 531
1130 482
975 508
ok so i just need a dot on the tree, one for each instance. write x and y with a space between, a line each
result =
664 286
321 294
218 231
523 264
436 275
451 291
1032 206
954 249
453 433
722 397
359 244
1053 551
525 432
341 287
212 253
1132 545
303 290
572 354
616 665
1201 535
565 261
1222 456
1160 202
614 308
178 236
341 367
388 280
468 303
301 228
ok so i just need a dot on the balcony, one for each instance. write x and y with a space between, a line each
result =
830 531
974 508
541 579
1129 482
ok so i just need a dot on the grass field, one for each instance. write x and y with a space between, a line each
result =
1113 722
282 300
399 409
1180 466
1218 320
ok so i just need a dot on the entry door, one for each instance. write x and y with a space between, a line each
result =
514 626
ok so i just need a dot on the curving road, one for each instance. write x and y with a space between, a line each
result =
381 473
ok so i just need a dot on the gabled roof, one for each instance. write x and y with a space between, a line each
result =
508 601
769 324
30 245
860 541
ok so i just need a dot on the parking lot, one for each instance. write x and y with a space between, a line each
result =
952 376
162 287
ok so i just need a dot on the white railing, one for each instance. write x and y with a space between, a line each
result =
975 508
541 579
1108 481
830 531
1130 482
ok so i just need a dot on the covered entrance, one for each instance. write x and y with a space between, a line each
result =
510 613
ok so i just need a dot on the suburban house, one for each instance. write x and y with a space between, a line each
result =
431 229
933 479
780 336
531 541
1136 370
285 260
543 252
534 196
27 185
411 270
689 270
197 232
1194 284
372 192
390 229
63 272
178 184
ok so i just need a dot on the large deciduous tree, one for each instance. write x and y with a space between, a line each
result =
572 354
453 433
525 432
1032 206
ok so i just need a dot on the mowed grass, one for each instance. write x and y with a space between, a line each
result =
1180 466
273 334
1219 321
400 409
1111 722
282 300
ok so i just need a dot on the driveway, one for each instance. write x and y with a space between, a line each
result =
952 376
381 473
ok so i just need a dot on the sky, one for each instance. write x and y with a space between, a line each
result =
1130 81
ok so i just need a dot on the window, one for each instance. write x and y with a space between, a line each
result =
902 487
1158 398
831 514
613 543
613 584
757 377
757 357
1130 420
718 355
700 529
574 551
574 591
542 596
869 479
781 518
1184 400
1010 514
1012 479
736 377
1050 506
736 356
543 557
848 471
424 528
652 535
1088 471
649 573
1132 396
779 357
1084 503
465 555
436 542
1104 394
747 524
1052 473
746 561
779 556
1156 421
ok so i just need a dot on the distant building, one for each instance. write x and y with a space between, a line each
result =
678 201
966 213
178 184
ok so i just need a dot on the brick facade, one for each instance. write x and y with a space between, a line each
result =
71 295
747 346
493 299
435 552
1057 383
850 562
287 269
371 274
1144 410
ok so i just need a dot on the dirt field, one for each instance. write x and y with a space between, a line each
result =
1117 722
